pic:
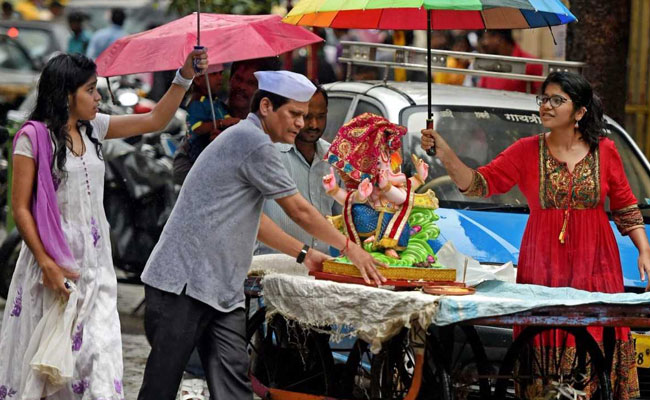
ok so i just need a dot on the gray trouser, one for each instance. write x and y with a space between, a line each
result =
174 325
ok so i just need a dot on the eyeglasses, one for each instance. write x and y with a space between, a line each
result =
555 101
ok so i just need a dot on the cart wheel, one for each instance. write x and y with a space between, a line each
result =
353 377
286 356
460 351
531 371
392 372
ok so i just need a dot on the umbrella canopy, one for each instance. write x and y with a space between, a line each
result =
445 14
228 38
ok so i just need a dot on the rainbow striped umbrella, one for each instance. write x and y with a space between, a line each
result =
429 14
444 14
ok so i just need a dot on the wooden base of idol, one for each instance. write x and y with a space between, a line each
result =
397 276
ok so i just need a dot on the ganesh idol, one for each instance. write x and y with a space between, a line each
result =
377 198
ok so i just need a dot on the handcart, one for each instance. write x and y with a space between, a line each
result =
430 346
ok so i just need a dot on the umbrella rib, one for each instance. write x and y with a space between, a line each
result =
260 38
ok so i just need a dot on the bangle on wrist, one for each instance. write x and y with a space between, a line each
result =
302 254
182 81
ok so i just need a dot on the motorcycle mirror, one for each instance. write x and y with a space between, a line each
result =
128 99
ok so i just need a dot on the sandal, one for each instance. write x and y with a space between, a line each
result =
192 389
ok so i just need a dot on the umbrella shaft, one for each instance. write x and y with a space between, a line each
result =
214 117
198 22
429 74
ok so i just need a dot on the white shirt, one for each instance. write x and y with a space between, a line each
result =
309 180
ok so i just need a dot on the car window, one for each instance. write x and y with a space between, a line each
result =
337 110
12 57
480 134
365 106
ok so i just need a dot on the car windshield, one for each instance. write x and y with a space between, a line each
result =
479 134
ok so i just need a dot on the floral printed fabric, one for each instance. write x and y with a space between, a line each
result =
94 231
77 338
478 187
6 392
628 218
561 188
18 304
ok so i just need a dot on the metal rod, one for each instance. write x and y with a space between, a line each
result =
198 22
207 77
429 73
432 151
214 117
465 269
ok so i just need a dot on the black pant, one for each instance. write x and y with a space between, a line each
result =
174 325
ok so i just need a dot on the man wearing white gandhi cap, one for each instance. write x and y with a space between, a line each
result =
287 84
193 279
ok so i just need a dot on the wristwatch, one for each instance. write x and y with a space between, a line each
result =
302 254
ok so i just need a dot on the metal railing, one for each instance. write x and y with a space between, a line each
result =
388 56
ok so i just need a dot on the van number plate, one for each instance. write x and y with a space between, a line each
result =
642 350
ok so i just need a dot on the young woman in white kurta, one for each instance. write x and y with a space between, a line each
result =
96 344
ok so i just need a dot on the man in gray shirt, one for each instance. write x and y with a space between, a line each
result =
305 164
194 276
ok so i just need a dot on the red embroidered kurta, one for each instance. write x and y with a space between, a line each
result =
568 241
588 259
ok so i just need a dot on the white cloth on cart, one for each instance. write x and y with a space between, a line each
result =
281 263
475 272
376 314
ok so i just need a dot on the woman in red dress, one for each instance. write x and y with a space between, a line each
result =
566 174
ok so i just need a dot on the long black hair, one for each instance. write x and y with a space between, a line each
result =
62 76
592 124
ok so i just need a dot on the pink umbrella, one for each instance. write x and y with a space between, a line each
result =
228 38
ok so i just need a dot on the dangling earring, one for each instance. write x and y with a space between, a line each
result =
576 125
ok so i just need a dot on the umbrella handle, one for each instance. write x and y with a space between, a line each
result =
195 62
432 151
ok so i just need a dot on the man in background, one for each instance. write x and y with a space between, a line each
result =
501 42
243 85
8 12
304 161
57 11
78 42
106 36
